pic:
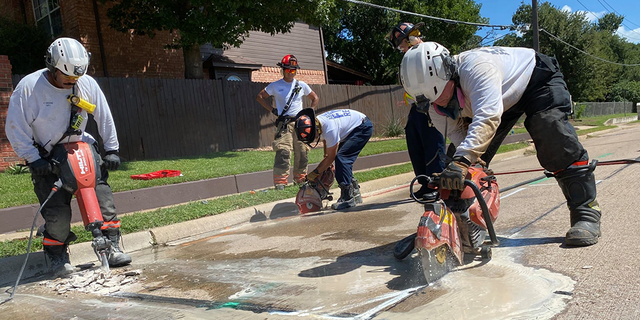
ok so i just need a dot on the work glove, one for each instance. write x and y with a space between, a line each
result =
313 175
274 111
40 167
111 160
452 178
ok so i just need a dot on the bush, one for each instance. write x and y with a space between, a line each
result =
393 128
25 45
579 110
17 168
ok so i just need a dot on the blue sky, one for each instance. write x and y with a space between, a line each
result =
501 11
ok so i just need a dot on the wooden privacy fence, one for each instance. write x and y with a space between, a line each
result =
164 118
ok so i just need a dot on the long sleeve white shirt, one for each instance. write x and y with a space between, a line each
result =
492 79
40 112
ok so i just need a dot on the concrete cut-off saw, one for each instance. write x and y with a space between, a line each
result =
312 193
454 224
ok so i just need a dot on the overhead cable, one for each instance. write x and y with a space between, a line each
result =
594 15
434 18
625 18
598 58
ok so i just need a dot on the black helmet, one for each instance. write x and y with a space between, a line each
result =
306 125
289 62
402 31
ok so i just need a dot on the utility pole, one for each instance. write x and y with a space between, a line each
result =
534 20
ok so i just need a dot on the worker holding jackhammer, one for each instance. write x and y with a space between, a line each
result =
424 142
288 93
40 119
344 133
477 96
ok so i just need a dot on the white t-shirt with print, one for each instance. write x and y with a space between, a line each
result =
281 90
338 124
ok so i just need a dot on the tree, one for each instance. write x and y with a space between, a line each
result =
626 91
357 39
588 79
219 22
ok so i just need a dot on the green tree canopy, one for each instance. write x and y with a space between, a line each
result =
588 79
357 39
219 22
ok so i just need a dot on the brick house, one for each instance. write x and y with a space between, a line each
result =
116 54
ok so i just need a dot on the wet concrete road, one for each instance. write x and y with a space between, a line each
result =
340 264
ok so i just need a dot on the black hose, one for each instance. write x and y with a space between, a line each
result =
57 186
485 211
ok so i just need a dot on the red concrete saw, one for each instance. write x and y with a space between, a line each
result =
312 193
455 224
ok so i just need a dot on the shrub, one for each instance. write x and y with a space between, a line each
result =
393 128
17 168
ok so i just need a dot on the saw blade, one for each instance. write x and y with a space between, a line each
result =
436 263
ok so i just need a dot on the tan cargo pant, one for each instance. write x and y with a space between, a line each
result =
283 146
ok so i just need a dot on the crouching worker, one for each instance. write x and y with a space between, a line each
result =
39 123
344 133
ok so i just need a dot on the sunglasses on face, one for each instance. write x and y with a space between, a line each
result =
290 70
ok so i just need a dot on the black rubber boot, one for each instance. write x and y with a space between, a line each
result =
346 198
579 188
356 190
117 258
60 265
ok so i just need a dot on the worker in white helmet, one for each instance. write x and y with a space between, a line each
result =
476 97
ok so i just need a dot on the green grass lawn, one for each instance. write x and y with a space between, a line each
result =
17 190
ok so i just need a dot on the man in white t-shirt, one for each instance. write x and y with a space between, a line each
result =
344 132
288 93
38 123
478 95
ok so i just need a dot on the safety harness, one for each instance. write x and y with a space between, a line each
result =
283 121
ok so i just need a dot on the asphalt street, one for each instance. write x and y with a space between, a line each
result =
280 265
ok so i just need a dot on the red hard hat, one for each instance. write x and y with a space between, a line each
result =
289 62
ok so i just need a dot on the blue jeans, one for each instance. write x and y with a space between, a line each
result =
349 149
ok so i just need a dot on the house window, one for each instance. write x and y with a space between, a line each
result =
48 17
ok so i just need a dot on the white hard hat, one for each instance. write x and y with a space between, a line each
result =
426 69
67 55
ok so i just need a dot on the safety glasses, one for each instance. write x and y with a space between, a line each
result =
293 71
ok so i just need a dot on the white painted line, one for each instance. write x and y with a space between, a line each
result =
512 193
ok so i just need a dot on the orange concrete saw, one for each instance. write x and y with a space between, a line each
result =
455 224
312 193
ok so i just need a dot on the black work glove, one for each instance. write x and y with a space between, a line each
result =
40 167
452 178
111 160
313 175
274 111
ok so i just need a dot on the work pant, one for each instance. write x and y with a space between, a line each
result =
283 145
57 212
546 102
425 144
349 149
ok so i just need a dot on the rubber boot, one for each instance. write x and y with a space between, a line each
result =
346 198
117 258
579 188
59 258
356 190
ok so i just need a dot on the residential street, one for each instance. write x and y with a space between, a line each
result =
280 265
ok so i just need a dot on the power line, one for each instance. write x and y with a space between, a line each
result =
594 15
598 58
502 27
605 1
